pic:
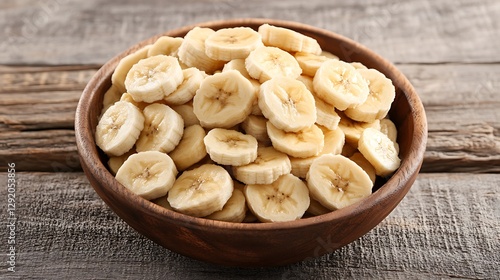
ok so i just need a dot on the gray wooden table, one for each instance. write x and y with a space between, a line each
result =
448 226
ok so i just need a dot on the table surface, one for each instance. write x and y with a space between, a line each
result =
448 226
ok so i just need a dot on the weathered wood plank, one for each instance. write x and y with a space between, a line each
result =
448 226
71 32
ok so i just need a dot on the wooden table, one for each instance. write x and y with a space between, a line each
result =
448 226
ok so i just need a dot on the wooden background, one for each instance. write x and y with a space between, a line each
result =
448 226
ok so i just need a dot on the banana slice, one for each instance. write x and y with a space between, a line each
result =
309 62
315 208
334 142
265 169
111 96
148 174
233 211
265 63
380 98
307 81
192 51
186 111
191 149
119 128
380 151
187 89
202 191
287 104
230 147
114 163
128 98
238 65
389 128
329 55
336 181
358 65
123 67
304 143
286 199
163 129
288 40
360 160
256 126
326 114
223 100
153 78
165 45
353 129
232 43
340 84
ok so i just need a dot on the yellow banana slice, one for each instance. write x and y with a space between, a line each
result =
256 126
360 160
191 148
165 45
353 129
119 128
232 43
265 169
148 174
340 84
230 147
288 40
202 191
153 78
380 98
223 100
186 111
192 51
163 129
336 181
187 88
233 211
380 151
304 143
124 66
287 104
286 199
265 63
309 62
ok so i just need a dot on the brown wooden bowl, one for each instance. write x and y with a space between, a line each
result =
258 244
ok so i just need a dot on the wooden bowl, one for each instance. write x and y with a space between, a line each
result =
258 244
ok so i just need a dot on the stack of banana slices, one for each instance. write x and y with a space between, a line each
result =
240 125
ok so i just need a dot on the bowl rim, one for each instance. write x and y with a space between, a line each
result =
410 165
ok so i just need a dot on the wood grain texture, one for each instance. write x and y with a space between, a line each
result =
447 226
91 32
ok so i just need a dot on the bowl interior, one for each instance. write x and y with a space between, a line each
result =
407 113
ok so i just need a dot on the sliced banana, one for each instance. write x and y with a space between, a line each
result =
287 104
148 174
191 148
256 126
353 129
389 128
119 128
238 65
340 84
360 160
192 51
186 111
230 147
307 81
304 143
315 208
358 65
223 100
380 151
124 66
153 78
233 211
288 40
128 98
265 63
309 62
286 199
163 129
265 169
188 87
232 43
380 98
326 115
329 55
336 181
202 191
111 96
165 45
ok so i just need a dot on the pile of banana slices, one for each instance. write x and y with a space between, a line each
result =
241 125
